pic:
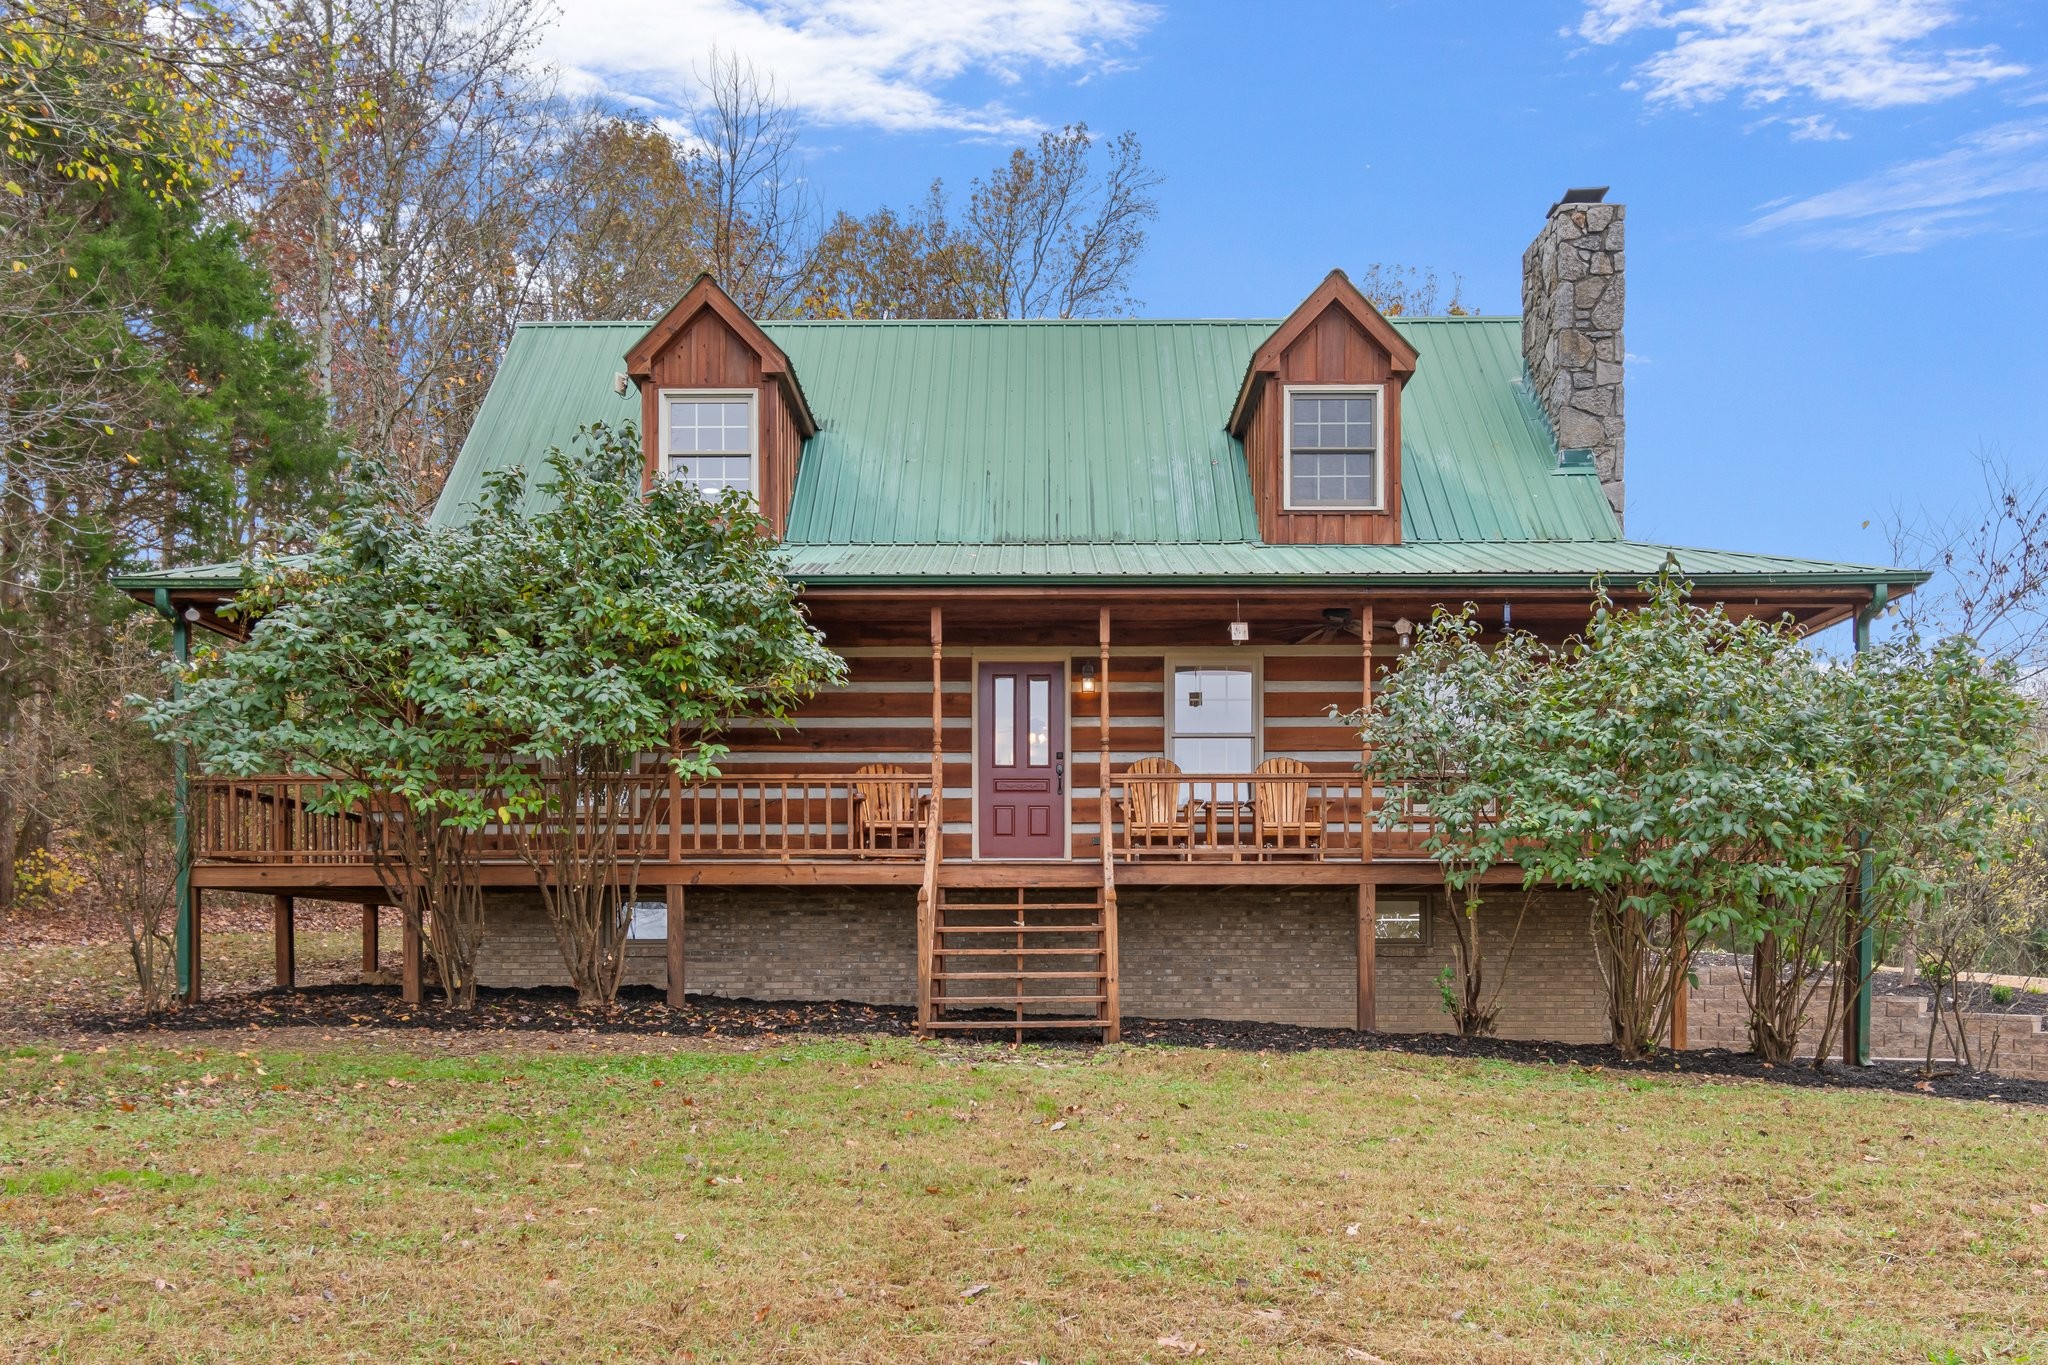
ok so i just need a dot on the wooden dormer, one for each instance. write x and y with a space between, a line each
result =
1347 365
707 355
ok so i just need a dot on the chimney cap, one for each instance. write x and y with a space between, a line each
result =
1589 194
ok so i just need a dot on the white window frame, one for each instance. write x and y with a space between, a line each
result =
751 397
1219 659
1379 454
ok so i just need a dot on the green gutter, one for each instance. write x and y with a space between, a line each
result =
181 805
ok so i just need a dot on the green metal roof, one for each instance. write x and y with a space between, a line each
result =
1052 433
1013 452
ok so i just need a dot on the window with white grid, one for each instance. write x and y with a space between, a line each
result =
1333 449
708 439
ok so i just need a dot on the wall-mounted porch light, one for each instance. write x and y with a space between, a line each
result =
1087 678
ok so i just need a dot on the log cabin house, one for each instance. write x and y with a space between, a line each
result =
1099 584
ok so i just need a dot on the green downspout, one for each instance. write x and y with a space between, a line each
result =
181 802
1866 876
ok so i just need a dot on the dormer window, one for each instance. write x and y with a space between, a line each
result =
707 439
1333 449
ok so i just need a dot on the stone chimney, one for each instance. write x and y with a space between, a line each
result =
1571 328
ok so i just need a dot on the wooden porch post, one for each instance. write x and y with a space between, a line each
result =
287 948
1112 953
411 987
1102 728
372 920
1365 750
1368 956
675 946
938 716
194 943
928 892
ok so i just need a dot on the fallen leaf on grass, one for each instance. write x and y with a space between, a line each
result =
1353 1353
1171 1342
973 1291
1057 1126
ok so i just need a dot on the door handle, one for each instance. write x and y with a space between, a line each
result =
1059 778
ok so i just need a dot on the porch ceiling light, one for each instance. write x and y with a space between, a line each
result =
1404 631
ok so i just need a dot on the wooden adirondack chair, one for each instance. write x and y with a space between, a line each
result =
1154 816
887 815
1282 810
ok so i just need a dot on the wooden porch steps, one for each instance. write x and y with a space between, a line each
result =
1016 958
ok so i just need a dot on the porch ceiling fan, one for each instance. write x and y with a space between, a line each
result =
1337 625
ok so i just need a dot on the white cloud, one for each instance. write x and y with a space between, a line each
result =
1815 128
1867 54
884 63
1915 204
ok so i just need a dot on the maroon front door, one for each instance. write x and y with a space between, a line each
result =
1020 786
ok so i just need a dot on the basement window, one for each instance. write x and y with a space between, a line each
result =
707 439
1332 449
647 920
1401 920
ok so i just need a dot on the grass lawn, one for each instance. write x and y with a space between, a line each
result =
598 1199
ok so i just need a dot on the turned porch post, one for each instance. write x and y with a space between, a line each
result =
1102 728
1364 750
938 717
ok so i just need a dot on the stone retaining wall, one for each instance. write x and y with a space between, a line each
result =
2010 1044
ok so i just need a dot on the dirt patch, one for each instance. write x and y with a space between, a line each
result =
641 1011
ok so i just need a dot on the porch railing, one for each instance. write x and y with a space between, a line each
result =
274 819
800 817
1239 817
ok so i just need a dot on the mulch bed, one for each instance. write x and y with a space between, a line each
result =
641 1011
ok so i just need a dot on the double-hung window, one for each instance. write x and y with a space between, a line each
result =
1215 725
708 439
1333 440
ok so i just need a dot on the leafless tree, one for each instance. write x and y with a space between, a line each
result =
392 176
764 218
1058 234
1410 291
1991 559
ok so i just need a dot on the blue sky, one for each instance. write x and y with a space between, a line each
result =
1838 209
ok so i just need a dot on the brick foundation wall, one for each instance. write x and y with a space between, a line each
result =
762 943
2010 1044
1270 954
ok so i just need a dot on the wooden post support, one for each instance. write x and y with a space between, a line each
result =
1368 956
193 908
1102 728
287 954
675 946
1365 811
372 920
411 985
939 715
1112 953
1681 993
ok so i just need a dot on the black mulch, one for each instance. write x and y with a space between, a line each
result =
641 1011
